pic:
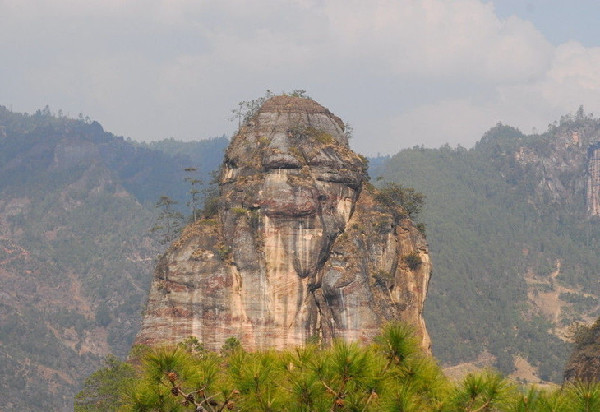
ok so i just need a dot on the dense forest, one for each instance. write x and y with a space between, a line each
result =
76 206
515 254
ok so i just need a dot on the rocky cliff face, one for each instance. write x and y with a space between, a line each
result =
300 248
564 165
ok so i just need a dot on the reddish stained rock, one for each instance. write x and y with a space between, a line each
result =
300 248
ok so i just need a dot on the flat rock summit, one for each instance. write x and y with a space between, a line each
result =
300 250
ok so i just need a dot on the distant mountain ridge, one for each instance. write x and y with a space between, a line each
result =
76 204
513 243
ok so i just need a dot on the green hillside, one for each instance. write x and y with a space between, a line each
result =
76 257
515 255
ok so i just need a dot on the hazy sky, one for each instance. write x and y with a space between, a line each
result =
402 72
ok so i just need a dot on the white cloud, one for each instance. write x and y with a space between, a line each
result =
531 103
576 66
403 72
437 38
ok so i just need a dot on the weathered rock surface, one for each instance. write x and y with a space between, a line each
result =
300 248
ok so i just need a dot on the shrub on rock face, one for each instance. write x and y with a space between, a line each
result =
395 195
412 260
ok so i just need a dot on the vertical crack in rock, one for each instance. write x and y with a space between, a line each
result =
299 250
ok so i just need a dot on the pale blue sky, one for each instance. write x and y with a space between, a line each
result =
402 72
559 21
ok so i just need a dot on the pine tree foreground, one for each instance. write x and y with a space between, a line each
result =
392 374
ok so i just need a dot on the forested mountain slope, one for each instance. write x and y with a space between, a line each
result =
76 204
514 248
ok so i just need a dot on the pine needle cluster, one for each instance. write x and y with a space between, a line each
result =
392 374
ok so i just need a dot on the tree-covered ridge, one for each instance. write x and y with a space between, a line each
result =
515 255
390 375
147 170
76 204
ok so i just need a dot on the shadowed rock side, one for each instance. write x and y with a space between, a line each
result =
300 249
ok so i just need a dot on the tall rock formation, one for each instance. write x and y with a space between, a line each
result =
299 250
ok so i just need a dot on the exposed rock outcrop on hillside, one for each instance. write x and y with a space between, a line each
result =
563 165
300 248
